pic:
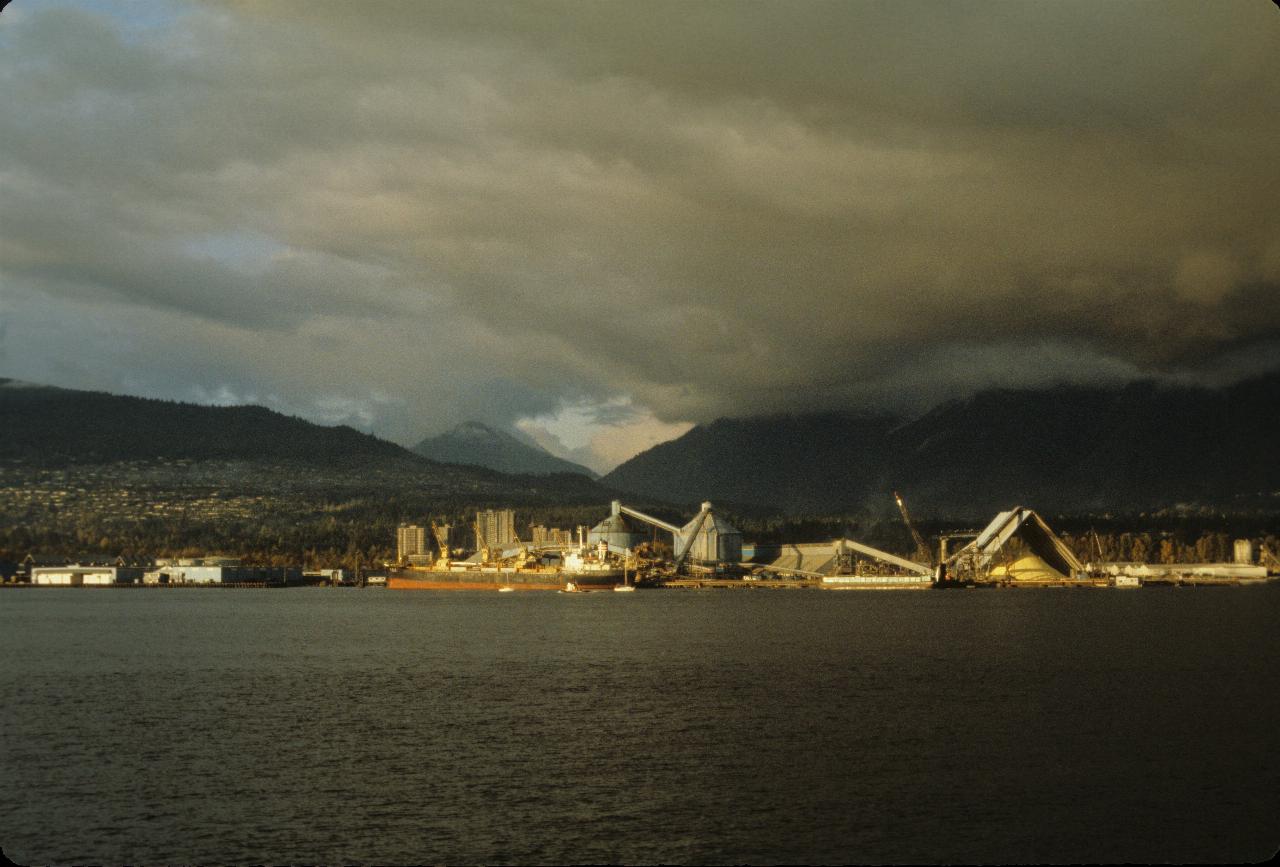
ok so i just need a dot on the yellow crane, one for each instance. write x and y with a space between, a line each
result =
923 554
441 532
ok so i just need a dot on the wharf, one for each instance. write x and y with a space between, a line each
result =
129 585
818 584
1203 581
781 584
738 584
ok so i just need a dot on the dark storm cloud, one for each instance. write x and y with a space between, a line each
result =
710 208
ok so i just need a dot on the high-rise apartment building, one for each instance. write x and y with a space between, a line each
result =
550 536
410 540
495 528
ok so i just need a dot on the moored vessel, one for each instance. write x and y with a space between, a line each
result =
587 567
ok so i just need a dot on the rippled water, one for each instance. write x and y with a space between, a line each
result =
341 725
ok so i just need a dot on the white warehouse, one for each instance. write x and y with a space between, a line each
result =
83 576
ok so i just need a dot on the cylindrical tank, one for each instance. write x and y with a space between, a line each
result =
618 530
1244 551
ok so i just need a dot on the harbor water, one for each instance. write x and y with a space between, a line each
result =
366 725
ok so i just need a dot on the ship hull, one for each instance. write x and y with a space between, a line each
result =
476 579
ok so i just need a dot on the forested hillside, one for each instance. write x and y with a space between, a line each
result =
1065 449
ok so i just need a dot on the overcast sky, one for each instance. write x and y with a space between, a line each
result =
601 222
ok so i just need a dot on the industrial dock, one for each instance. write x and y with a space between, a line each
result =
630 547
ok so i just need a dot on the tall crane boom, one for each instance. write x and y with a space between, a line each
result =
441 532
922 550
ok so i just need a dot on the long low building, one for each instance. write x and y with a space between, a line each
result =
205 573
211 571
878 580
1203 570
84 576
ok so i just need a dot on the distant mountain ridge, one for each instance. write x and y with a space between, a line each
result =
48 427
1069 448
51 425
480 445
1066 449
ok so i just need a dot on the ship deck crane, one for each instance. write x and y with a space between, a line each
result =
441 532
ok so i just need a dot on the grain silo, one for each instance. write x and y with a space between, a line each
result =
708 538
619 530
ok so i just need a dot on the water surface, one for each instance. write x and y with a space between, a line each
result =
342 725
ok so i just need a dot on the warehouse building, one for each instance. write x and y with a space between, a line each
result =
84 576
219 571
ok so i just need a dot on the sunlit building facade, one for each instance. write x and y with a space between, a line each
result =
495 528
411 540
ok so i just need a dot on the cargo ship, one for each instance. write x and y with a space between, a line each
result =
587 568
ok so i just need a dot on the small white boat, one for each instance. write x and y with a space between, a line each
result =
506 588
624 588
571 588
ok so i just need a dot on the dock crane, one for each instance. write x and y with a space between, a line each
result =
922 550
441 532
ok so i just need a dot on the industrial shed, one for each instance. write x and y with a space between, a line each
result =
83 576
1040 554
218 571
827 559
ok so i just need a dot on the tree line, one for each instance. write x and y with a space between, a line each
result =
361 535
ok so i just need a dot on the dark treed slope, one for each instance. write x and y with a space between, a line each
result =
50 425
90 472
480 445
794 463
1062 449
53 427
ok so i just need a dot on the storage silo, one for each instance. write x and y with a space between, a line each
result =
618 530
714 540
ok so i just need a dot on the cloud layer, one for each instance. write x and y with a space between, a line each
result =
405 215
